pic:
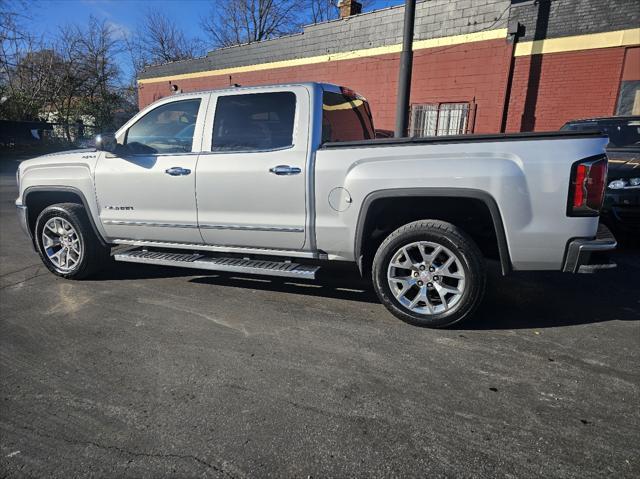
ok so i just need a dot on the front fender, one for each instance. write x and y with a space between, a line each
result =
72 173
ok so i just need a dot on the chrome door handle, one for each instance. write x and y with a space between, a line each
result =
285 170
177 171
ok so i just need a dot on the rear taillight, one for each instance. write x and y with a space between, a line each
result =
586 191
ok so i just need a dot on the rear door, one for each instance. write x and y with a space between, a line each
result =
146 191
250 185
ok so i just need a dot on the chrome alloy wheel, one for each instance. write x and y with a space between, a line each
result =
426 278
61 244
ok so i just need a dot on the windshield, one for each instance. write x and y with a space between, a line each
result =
621 133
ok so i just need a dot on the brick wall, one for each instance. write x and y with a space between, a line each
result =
462 73
570 85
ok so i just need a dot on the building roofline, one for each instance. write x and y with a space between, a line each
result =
266 40
362 14
290 35
308 25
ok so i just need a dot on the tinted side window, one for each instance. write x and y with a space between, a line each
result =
345 118
254 121
166 129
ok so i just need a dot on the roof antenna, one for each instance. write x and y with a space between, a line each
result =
235 85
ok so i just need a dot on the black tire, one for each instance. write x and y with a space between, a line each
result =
94 255
460 244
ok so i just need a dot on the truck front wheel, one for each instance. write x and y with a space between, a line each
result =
66 242
429 273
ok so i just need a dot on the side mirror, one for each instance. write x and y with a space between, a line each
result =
106 142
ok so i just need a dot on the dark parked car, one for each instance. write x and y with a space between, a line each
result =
621 211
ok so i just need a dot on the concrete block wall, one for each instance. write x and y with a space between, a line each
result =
576 17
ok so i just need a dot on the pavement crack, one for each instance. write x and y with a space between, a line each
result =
216 468
36 275
9 273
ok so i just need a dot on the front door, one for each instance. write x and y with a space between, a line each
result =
146 190
251 186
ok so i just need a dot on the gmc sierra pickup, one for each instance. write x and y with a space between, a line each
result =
276 180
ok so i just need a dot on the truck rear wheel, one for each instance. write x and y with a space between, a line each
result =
429 273
67 243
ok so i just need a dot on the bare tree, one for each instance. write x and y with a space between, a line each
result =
323 10
162 41
27 85
70 79
25 64
64 80
99 48
158 40
8 22
233 22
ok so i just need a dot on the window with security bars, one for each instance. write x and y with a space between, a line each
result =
437 119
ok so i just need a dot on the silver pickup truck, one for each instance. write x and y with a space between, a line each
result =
278 180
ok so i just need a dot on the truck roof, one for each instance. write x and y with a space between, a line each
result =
324 86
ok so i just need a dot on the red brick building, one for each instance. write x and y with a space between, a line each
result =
479 66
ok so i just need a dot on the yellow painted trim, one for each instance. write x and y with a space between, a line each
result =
368 52
459 39
619 38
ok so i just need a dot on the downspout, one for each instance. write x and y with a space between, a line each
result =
404 75
513 29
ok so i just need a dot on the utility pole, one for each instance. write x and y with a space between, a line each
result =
404 76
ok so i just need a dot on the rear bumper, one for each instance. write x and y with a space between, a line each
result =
589 255
23 219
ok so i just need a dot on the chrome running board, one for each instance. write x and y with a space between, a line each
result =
218 248
228 264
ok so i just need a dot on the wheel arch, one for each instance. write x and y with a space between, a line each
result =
367 211
37 198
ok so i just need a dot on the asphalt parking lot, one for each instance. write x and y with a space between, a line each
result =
152 372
